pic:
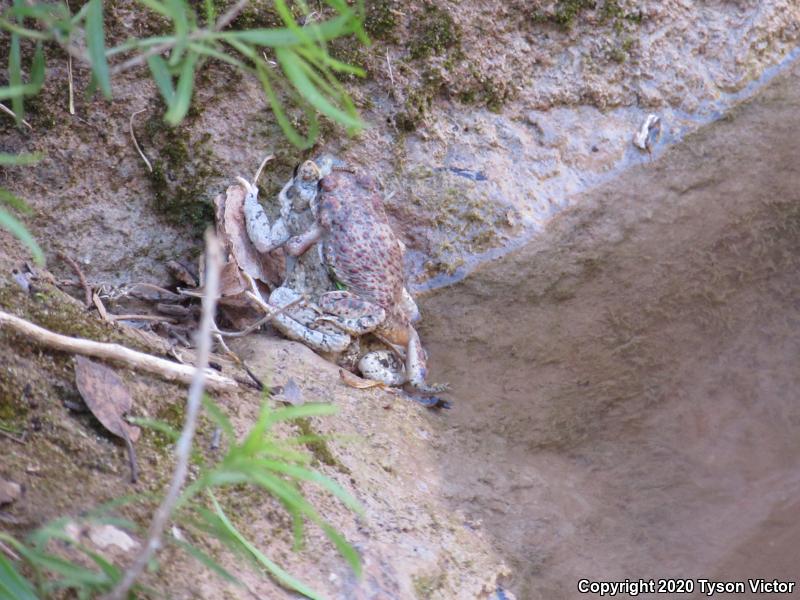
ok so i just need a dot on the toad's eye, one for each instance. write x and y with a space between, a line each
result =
326 184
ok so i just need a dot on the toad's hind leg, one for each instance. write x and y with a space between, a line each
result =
350 313
292 324
416 368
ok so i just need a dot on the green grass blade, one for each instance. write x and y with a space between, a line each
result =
274 569
291 64
285 37
205 560
37 67
136 44
183 91
219 55
218 417
344 547
17 229
95 42
14 202
15 77
12 584
158 7
156 425
162 77
290 413
19 160
328 60
297 472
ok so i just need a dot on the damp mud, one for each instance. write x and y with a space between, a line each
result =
626 384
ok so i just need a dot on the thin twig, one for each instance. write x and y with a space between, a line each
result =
183 448
230 15
13 438
11 554
159 318
8 111
132 462
69 80
136 360
140 59
389 64
261 167
135 143
101 308
262 321
87 289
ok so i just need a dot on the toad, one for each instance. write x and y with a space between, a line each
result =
364 254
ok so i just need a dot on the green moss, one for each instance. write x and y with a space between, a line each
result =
319 448
426 585
434 31
183 172
565 12
50 309
380 20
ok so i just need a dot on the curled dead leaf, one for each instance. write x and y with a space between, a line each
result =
357 382
107 397
231 228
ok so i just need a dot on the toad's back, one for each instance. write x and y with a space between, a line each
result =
359 244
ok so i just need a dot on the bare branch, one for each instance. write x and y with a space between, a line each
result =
135 143
183 448
136 360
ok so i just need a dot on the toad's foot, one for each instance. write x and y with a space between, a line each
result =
383 366
293 324
350 313
417 369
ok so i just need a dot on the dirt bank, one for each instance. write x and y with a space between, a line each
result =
626 385
483 120
602 375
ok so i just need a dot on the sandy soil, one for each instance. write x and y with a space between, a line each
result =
626 386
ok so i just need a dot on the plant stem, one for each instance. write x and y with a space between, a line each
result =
183 448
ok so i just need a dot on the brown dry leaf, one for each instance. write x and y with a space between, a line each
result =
231 228
182 273
107 397
357 382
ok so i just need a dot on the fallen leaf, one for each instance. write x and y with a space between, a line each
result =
182 273
357 382
10 491
107 397
232 229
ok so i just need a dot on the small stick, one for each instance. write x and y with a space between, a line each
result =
11 554
132 459
13 438
262 321
101 308
135 143
69 79
160 318
261 167
183 448
87 289
132 358
8 111
257 383
389 64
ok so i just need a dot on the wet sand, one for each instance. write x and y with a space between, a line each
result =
627 385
